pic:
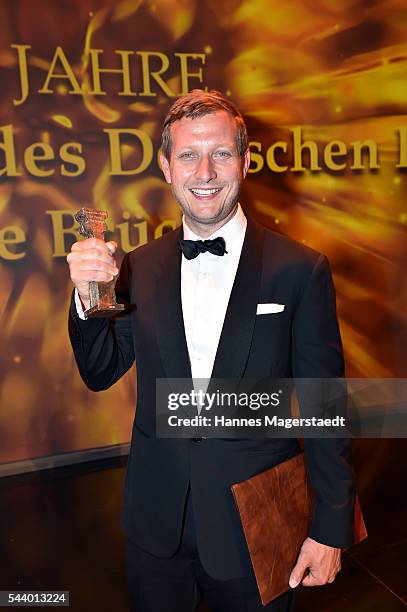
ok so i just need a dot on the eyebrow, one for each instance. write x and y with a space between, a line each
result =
216 146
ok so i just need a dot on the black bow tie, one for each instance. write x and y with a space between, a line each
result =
192 248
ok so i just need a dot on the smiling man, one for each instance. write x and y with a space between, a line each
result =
199 299
205 158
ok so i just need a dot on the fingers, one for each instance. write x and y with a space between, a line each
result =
95 243
92 260
322 562
333 574
101 259
91 272
298 571
315 578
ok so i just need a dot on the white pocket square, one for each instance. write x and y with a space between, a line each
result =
269 308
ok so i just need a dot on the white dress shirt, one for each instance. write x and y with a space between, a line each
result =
206 285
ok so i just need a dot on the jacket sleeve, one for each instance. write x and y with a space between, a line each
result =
317 353
103 347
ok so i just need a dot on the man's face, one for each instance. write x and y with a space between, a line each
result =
205 170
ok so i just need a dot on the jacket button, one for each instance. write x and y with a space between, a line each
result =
196 439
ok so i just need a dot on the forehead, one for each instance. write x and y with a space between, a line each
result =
213 128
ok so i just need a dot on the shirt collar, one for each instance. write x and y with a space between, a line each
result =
233 231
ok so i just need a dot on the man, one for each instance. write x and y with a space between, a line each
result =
194 314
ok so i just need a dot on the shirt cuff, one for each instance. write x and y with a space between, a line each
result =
79 307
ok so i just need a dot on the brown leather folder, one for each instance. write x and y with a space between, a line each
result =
275 509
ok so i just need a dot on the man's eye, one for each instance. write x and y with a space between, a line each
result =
223 154
187 155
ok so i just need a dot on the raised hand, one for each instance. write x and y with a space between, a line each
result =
91 260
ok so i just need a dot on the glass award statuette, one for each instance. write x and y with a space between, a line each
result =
102 296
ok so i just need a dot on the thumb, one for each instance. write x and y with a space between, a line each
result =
298 571
112 246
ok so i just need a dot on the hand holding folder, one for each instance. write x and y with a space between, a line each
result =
275 510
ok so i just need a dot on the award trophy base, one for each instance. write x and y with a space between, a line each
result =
103 310
102 300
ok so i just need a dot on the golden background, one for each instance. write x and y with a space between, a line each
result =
338 69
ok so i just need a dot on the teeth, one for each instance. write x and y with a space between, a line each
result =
204 192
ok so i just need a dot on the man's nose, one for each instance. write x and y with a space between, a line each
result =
205 170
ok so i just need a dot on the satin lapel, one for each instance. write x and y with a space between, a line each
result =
237 333
170 323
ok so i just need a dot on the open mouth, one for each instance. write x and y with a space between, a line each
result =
205 193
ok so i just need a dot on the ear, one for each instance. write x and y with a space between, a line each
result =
246 162
165 167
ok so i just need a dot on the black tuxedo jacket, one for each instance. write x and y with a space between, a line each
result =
301 341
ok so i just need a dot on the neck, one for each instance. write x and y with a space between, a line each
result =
204 230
